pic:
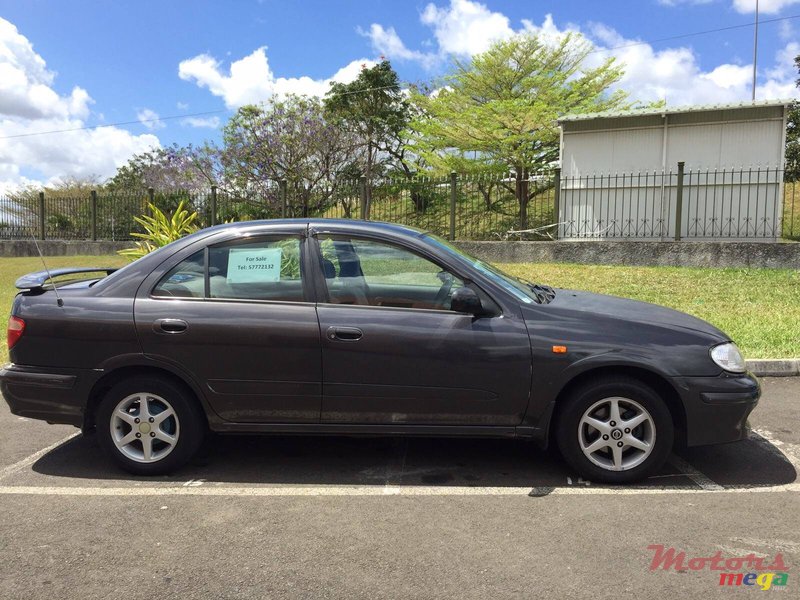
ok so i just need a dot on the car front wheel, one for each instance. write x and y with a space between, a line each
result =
149 425
615 430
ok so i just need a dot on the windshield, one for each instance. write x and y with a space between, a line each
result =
524 291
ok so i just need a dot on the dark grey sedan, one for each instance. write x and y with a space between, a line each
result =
346 327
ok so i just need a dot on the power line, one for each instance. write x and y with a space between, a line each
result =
168 118
696 33
153 120
375 89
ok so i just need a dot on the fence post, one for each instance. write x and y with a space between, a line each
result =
213 205
362 191
557 200
679 202
284 191
41 215
151 195
453 191
94 215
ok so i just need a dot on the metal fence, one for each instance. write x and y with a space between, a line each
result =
752 203
728 204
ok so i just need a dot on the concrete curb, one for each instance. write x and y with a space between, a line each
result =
774 367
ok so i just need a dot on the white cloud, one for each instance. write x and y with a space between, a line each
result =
209 122
387 43
675 74
29 104
182 105
250 80
465 27
764 6
741 6
84 153
150 119
25 82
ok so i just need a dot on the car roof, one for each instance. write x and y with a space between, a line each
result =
324 224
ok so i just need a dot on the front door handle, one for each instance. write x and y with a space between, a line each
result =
344 334
171 326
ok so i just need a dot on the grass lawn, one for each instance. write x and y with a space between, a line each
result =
758 308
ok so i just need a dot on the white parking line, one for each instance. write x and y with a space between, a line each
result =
379 490
29 460
699 478
201 487
784 450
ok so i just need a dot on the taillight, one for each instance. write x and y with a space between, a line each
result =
16 327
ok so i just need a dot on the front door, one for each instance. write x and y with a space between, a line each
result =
244 328
394 353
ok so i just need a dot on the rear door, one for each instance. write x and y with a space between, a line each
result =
240 318
393 351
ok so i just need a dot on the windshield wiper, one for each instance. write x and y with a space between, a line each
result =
544 293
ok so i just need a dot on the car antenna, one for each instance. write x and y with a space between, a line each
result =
59 301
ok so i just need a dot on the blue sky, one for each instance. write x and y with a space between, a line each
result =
74 64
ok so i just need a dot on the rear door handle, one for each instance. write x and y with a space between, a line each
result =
344 334
171 326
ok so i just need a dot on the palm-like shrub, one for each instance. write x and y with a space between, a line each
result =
161 229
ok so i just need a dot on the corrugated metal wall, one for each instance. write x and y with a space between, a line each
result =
727 190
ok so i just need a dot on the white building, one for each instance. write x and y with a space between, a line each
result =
620 172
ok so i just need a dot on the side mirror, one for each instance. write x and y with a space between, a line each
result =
466 300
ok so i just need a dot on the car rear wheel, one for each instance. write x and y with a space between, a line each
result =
149 425
615 431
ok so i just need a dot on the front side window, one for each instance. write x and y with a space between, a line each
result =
518 288
372 273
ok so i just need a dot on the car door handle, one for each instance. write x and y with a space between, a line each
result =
345 334
171 326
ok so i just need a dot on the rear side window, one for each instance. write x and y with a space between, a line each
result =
267 269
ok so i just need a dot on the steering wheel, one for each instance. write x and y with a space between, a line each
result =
447 280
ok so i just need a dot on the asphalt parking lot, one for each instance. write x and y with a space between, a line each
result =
270 517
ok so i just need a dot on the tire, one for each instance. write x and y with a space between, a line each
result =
615 453
170 433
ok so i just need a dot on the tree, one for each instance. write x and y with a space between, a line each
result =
375 109
793 135
498 111
286 139
172 168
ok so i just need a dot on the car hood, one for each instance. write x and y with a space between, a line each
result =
628 310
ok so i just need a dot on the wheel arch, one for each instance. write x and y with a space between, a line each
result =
113 377
658 382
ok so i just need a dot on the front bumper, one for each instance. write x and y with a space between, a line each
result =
53 395
717 407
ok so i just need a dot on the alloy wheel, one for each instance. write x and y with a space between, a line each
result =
617 434
144 427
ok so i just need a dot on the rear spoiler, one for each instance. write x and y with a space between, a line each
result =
36 281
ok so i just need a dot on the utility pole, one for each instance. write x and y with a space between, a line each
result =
755 52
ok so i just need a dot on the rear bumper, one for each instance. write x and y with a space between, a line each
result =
717 408
53 395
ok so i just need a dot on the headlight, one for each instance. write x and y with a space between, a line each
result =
728 357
